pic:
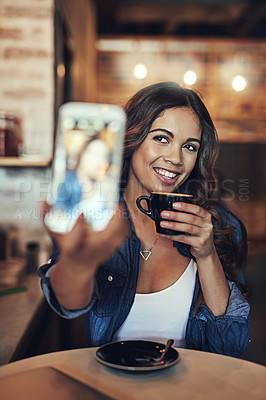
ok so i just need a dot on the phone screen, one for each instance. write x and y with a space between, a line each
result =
87 164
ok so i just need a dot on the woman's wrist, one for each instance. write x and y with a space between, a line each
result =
72 284
210 257
214 285
75 265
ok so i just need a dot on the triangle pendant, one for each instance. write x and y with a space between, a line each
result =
145 254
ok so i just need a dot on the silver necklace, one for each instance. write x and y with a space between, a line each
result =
145 254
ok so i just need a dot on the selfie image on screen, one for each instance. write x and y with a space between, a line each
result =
86 166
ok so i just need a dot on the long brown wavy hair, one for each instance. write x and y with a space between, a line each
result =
142 109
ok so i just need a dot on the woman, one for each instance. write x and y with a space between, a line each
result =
187 289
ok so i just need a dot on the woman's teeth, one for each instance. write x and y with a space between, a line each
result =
166 174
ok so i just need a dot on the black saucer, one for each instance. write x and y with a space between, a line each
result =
134 355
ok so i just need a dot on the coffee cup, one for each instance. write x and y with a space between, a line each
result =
159 201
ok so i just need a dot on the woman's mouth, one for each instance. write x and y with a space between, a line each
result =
166 176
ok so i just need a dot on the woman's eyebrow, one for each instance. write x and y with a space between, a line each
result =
163 130
193 140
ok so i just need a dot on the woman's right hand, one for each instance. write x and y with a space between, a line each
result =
81 252
85 246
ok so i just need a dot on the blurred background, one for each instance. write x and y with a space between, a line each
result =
104 51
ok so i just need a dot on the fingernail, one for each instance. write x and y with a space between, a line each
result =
165 214
164 223
163 235
176 205
81 217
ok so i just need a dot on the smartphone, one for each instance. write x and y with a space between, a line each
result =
86 166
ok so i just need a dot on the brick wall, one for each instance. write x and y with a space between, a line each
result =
27 89
27 70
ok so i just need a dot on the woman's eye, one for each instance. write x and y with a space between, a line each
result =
161 139
190 147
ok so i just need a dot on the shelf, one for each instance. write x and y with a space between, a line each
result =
23 162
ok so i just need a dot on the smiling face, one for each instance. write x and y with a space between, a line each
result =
93 161
168 154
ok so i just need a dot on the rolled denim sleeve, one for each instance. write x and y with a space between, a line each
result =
228 334
44 272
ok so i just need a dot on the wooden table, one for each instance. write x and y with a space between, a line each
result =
75 374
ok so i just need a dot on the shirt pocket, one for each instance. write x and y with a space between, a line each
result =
111 285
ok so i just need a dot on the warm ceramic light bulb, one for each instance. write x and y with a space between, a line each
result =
239 83
190 77
140 71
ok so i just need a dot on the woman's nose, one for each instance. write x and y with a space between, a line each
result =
173 156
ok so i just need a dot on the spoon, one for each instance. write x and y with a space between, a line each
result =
164 351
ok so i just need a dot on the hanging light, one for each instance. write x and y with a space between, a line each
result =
239 83
190 77
140 71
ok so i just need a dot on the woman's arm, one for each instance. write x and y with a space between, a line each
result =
228 334
214 285
197 223
81 252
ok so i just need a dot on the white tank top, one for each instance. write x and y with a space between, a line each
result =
161 315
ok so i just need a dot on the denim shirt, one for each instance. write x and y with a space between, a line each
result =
113 297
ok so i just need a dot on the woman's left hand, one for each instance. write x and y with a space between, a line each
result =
196 222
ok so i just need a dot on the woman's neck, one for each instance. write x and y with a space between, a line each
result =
143 225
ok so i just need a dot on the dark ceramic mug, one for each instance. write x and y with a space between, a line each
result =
159 201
